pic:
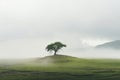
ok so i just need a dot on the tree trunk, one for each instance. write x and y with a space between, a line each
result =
55 53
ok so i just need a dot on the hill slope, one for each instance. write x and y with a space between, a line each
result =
111 45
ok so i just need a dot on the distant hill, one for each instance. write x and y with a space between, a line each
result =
110 45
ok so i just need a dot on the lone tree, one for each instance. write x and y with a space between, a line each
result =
55 47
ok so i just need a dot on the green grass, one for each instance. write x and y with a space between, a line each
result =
61 67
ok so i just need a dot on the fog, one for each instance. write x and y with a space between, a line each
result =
27 26
33 48
96 53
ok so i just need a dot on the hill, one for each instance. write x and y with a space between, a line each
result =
57 59
110 45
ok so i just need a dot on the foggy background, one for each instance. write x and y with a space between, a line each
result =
27 26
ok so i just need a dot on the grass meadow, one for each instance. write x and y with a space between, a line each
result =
61 67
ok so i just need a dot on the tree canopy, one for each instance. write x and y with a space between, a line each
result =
55 47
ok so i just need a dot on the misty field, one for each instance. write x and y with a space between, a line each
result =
61 67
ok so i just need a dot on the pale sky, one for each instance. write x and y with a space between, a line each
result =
27 26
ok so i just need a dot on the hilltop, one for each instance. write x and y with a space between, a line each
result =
58 59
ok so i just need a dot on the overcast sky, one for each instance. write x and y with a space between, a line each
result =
74 22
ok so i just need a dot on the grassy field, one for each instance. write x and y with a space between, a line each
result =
61 67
